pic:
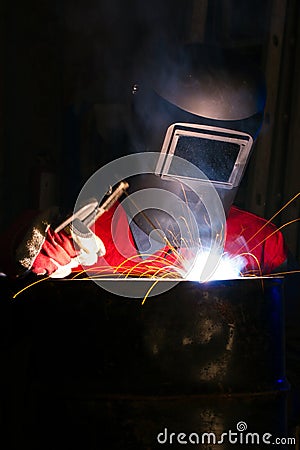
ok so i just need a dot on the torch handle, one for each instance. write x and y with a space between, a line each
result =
88 214
109 202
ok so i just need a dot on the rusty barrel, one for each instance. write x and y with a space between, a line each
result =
201 365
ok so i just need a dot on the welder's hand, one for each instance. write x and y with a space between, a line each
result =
63 251
57 251
44 252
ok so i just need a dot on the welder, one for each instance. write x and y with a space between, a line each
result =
220 100
209 101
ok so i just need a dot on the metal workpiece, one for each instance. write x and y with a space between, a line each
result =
199 357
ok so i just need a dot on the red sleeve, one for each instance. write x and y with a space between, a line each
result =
113 229
122 255
259 241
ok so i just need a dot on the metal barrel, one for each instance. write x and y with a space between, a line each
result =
201 365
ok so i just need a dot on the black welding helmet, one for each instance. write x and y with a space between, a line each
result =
204 105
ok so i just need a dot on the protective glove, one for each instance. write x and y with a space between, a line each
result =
56 251
84 250
45 252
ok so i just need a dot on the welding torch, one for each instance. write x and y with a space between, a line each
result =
78 226
90 213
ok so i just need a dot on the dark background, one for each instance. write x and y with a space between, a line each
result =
65 84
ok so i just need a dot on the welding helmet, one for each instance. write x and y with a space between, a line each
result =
205 105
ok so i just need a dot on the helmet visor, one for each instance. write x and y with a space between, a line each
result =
219 153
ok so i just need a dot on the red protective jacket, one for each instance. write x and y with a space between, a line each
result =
261 241
258 241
